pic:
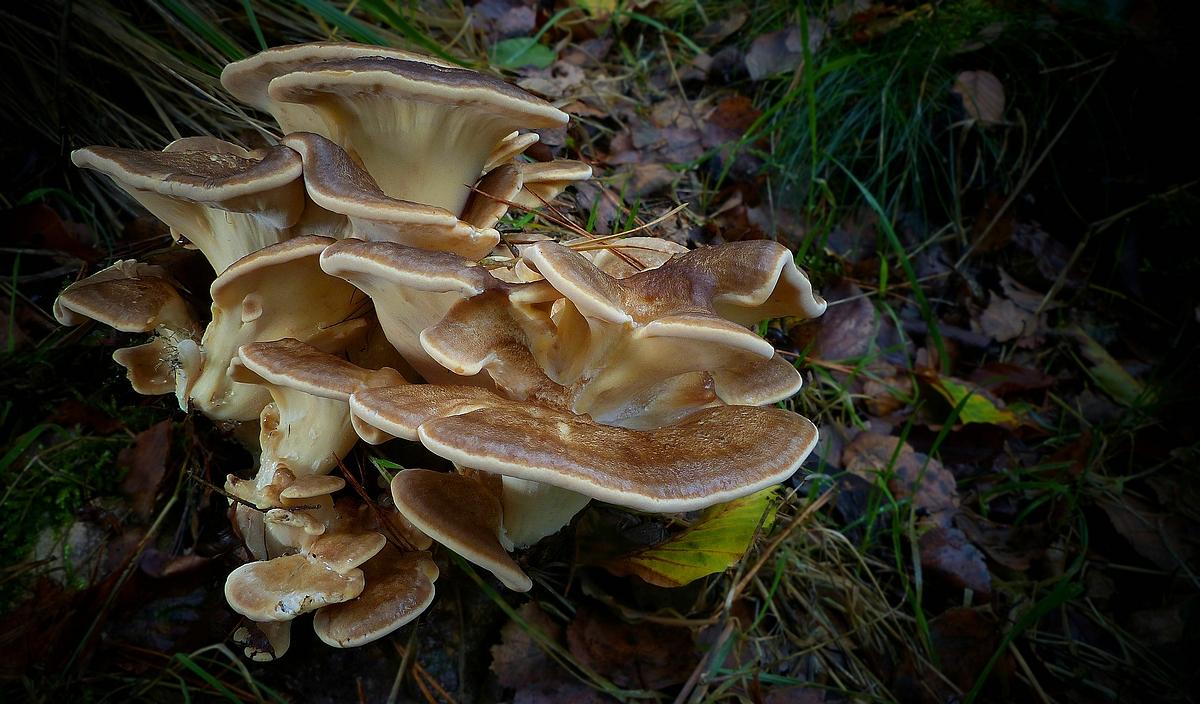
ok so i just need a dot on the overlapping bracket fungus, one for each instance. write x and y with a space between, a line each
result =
352 301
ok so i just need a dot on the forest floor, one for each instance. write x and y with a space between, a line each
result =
998 199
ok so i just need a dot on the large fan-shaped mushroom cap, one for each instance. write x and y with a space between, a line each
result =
424 132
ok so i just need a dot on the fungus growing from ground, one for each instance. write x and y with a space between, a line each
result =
226 203
623 371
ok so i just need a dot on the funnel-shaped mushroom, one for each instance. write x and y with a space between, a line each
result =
616 337
249 78
276 292
134 297
424 132
227 203
339 185
399 587
412 290
459 512
712 455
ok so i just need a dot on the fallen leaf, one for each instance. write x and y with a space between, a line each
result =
147 463
1005 379
1015 547
931 486
719 30
640 656
1155 627
982 96
517 660
1164 540
1108 374
964 640
519 52
980 406
849 324
779 52
72 411
946 552
715 542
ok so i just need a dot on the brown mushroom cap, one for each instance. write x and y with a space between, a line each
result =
758 384
509 147
134 297
285 587
226 205
276 292
248 79
399 587
339 185
460 513
424 132
542 181
712 455
412 289
489 201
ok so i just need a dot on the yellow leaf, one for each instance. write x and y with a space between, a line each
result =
712 544
979 408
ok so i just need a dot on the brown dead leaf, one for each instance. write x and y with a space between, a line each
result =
1015 547
1011 316
964 640
147 464
870 455
886 396
982 96
1165 540
72 411
1005 379
990 236
782 51
517 660
848 326
719 30
946 552
1155 627
639 656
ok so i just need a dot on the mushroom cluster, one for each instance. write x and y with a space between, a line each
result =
361 294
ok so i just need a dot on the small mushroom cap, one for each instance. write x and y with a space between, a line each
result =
274 293
460 513
296 365
412 290
130 305
424 132
285 587
399 588
224 204
510 146
247 80
489 201
200 176
542 181
710 456
759 383
339 185
308 486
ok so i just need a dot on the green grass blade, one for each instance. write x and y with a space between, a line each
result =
204 675
214 36
250 15
383 11
922 302
1064 592
358 30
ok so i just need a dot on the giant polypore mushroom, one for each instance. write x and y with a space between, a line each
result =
226 202
424 132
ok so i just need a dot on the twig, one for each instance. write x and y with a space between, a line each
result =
703 665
